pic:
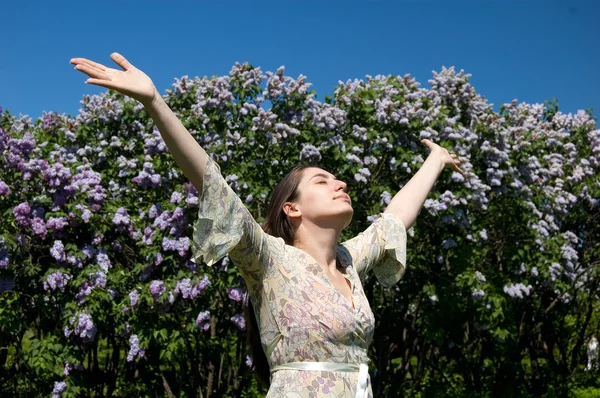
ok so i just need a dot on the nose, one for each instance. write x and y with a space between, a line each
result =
343 185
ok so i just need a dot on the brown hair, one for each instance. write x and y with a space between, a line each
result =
276 224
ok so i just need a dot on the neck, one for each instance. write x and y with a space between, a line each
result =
320 242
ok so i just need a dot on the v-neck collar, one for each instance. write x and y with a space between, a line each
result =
322 276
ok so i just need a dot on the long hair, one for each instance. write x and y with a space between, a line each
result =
276 224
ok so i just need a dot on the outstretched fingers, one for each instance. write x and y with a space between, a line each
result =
92 71
456 165
85 61
121 61
105 83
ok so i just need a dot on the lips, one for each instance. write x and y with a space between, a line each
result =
343 197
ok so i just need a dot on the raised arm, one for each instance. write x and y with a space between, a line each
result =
134 83
224 225
406 204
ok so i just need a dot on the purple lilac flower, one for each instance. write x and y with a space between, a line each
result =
203 320
480 277
192 199
59 388
57 280
134 297
163 221
157 288
68 368
477 294
97 239
86 214
154 143
84 291
516 290
56 223
4 189
39 227
239 321
176 197
86 180
147 178
57 251
22 213
20 148
57 175
310 154
184 287
236 294
178 222
180 245
103 260
88 251
147 238
134 348
249 361
97 195
154 211
121 218
84 328
386 198
158 259
555 271
98 279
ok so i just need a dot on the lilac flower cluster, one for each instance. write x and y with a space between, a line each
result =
189 290
157 288
310 154
134 348
239 321
19 150
134 298
57 280
57 251
517 290
237 294
180 245
84 327
98 280
4 189
59 388
121 218
203 320
154 144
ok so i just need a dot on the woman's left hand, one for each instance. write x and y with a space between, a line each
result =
448 159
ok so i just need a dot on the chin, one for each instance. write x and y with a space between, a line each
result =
348 217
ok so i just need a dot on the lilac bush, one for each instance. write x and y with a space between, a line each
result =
502 280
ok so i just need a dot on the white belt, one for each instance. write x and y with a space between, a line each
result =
362 369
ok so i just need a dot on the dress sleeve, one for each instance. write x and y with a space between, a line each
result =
382 248
225 225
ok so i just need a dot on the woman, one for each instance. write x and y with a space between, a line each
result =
314 319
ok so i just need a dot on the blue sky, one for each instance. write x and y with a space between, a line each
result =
531 50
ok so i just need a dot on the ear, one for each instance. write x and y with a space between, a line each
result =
292 210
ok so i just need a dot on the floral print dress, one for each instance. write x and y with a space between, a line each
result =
302 317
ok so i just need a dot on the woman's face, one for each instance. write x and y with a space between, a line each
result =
322 200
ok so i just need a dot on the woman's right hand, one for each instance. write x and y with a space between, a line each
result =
130 81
